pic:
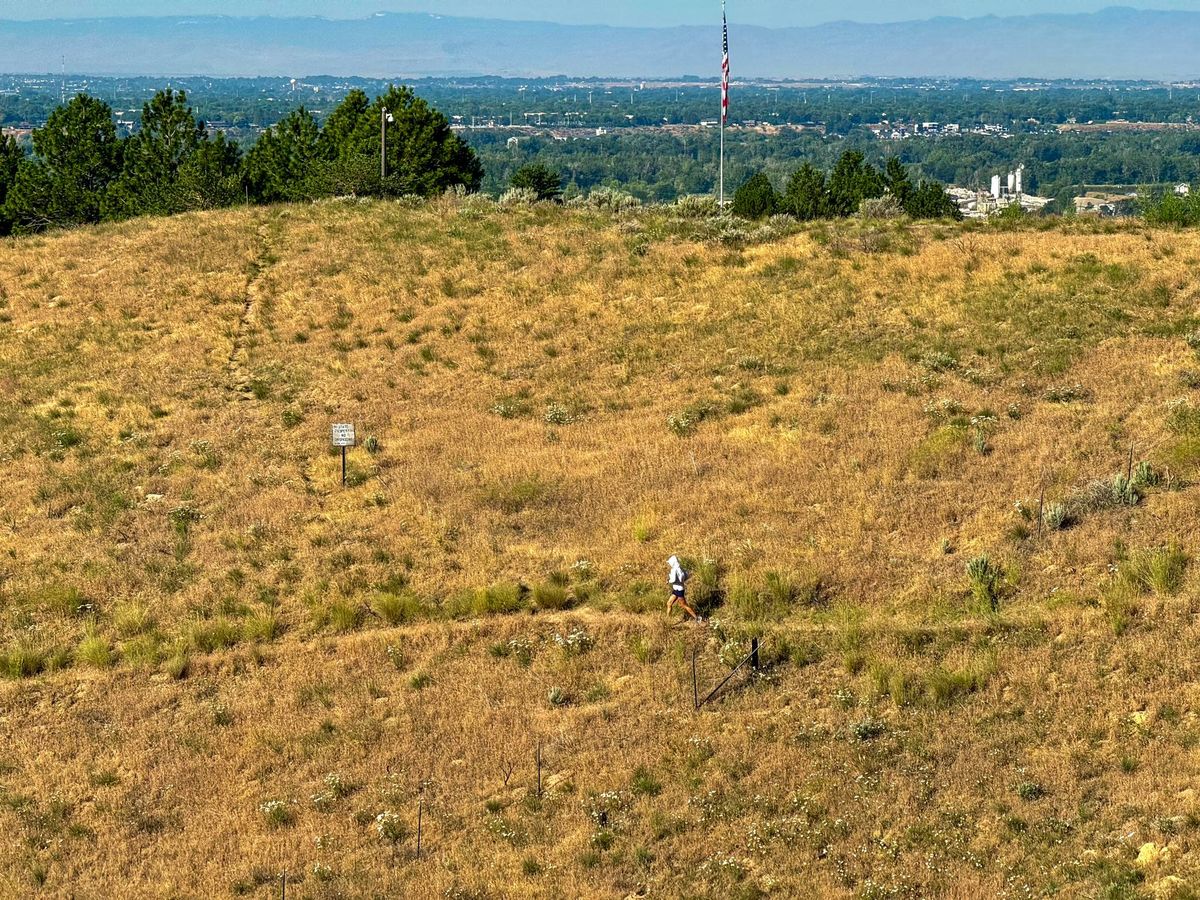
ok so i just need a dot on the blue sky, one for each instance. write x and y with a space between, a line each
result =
614 12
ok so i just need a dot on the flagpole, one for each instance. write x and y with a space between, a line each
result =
724 98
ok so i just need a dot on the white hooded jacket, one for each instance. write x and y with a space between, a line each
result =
677 576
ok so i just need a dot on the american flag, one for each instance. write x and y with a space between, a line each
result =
725 68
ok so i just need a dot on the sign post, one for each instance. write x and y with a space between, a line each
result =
343 436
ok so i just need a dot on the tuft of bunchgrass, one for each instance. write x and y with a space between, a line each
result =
551 596
398 608
94 651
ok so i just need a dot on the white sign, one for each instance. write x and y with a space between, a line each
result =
343 435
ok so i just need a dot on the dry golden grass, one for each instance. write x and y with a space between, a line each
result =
841 417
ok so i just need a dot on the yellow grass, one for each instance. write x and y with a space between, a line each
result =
191 601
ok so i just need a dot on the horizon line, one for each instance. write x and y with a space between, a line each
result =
1113 8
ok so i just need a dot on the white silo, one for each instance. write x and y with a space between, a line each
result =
996 186
1020 179
1012 182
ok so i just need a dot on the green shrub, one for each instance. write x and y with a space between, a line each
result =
756 198
944 686
644 649
686 421
132 619
806 654
939 453
642 597
1121 606
705 592
1030 790
1069 393
420 681
778 595
868 729
26 660
179 664
277 813
1146 476
142 652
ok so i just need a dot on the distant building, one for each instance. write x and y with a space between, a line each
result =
1098 204
1005 191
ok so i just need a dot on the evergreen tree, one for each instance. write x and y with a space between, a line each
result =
211 177
11 156
76 156
852 182
350 116
807 196
756 198
168 137
929 200
897 182
540 179
281 163
424 156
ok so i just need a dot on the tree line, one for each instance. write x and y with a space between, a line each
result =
814 194
82 172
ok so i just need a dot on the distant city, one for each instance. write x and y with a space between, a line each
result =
1078 146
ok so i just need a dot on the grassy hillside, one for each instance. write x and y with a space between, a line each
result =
945 474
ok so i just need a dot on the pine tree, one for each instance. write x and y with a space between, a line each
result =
807 195
211 178
540 179
11 156
281 163
929 200
338 137
852 182
756 198
76 156
168 137
897 182
424 156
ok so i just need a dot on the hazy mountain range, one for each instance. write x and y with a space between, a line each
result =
1116 43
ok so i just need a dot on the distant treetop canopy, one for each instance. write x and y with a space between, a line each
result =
82 172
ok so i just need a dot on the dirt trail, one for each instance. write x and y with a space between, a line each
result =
239 378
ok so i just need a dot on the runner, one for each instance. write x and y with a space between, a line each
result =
677 579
